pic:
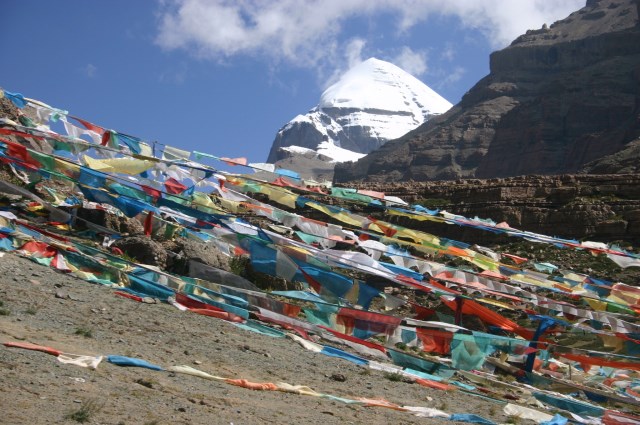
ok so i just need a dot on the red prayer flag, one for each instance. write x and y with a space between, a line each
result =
90 126
34 347
151 191
174 187
618 418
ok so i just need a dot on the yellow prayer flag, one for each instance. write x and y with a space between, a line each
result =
67 168
340 216
496 303
281 196
119 165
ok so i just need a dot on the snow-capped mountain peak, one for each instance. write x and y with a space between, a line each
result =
378 85
373 102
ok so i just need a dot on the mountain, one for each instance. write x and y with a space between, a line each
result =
560 99
373 102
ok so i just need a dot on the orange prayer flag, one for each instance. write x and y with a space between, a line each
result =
235 161
258 386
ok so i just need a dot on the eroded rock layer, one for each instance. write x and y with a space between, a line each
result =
558 100
595 207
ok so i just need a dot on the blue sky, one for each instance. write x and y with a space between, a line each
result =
223 76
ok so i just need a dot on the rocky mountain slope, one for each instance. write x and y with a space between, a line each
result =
592 207
373 102
558 100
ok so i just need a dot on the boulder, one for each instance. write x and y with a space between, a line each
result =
144 249
182 251
119 224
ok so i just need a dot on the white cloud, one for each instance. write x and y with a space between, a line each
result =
448 53
297 32
309 33
415 63
501 21
353 51
90 70
338 64
452 77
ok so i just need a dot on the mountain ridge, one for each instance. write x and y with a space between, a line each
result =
562 97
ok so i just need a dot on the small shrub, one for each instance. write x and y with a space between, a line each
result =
127 257
144 382
238 265
394 377
87 409
513 419
401 346
433 203
31 309
85 332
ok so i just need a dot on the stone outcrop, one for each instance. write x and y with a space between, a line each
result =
624 161
8 110
119 224
143 249
557 99
594 207
304 134
309 165
181 251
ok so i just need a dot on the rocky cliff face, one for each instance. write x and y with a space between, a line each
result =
594 207
317 126
557 99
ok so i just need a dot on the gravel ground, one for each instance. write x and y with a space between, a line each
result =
43 306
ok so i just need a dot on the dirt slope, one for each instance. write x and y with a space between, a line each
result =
42 306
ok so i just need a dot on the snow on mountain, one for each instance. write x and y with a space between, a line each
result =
373 102
328 149
384 98
336 153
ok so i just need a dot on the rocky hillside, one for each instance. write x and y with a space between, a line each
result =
593 207
40 305
558 100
